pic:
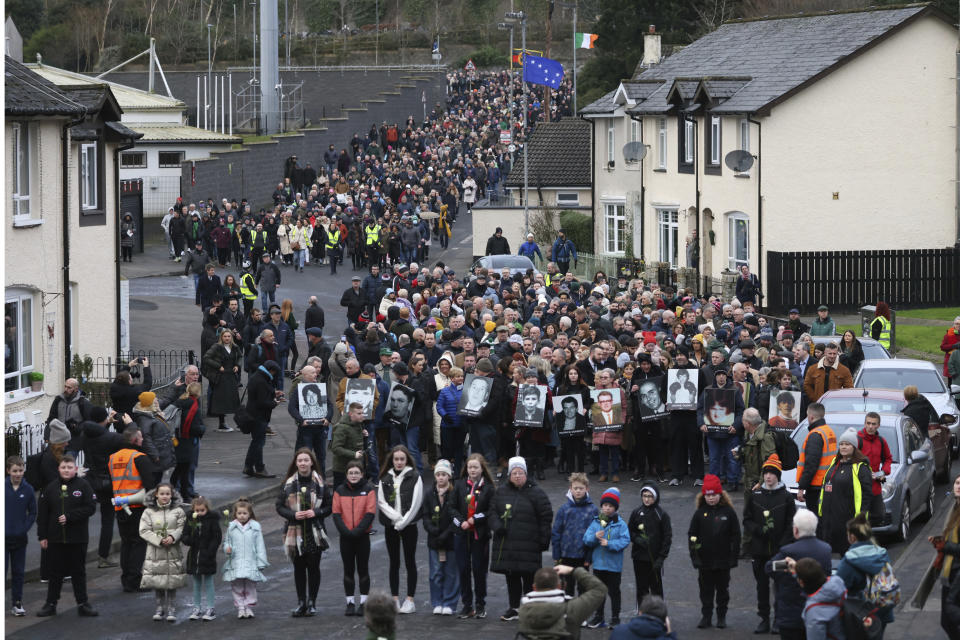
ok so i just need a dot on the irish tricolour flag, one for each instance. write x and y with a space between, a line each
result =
586 40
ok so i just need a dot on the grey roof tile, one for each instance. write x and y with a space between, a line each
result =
28 94
559 155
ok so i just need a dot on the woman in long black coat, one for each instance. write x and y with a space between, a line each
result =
221 366
520 520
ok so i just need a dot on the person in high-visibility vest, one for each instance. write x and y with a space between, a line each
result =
372 241
880 325
130 471
248 289
847 488
333 245
816 456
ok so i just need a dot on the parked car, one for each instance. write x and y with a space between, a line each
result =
872 350
909 490
900 372
891 401
516 264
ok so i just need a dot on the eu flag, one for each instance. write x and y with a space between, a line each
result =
539 70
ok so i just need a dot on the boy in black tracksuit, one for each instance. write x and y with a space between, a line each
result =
714 538
651 534
62 516
768 516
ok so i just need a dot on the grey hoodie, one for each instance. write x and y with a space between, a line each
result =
821 614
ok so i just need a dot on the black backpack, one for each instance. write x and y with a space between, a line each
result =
787 449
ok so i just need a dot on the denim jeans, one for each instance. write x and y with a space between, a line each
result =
409 254
722 463
444 580
267 298
203 586
299 258
411 439
196 288
609 457
258 437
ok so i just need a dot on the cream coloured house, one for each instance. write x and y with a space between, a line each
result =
850 119
61 292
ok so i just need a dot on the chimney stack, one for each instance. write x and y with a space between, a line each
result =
651 48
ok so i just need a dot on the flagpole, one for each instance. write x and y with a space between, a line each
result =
526 165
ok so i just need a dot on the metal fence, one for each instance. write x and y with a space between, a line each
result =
26 439
164 365
159 193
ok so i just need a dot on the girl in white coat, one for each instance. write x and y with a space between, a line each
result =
246 557
161 526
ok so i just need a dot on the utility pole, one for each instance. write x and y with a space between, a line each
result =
206 105
521 17
376 46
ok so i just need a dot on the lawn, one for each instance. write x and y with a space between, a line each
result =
933 313
914 337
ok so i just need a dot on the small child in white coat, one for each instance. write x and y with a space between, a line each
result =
246 557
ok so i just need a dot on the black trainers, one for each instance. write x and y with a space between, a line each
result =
636 478
466 612
351 609
48 609
510 615
704 622
614 621
597 623
481 611
763 627
359 613
87 611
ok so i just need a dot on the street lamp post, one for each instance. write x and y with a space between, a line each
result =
521 17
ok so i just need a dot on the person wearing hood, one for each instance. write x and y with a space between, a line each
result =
123 392
721 442
847 490
862 561
520 520
128 231
71 408
547 612
651 622
767 516
262 397
652 534
571 522
157 437
714 536
824 605
161 527
399 498
607 536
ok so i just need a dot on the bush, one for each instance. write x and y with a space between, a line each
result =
579 228
484 57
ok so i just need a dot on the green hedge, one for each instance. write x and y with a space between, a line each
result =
579 228
485 57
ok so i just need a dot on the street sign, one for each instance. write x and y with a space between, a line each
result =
436 57
470 66
512 148
506 135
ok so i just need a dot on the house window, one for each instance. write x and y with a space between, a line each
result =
615 228
18 362
634 131
23 137
668 233
686 141
611 143
714 140
568 199
662 143
133 160
89 193
170 159
738 240
744 134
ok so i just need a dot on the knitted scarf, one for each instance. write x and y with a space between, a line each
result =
296 499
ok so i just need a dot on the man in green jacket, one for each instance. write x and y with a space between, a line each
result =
347 441
546 614
824 324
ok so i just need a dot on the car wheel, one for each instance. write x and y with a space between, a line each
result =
904 530
943 474
928 507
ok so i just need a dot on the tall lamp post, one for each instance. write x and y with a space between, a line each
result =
508 26
521 17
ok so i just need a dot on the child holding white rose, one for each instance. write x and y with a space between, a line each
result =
607 535
651 534
714 538
202 537
246 557
768 517
439 514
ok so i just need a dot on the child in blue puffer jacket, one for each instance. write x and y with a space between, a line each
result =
452 432
608 537
571 522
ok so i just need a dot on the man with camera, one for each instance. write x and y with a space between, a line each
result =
546 613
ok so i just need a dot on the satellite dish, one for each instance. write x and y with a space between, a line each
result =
739 160
634 151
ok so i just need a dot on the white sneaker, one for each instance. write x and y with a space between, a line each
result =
158 615
241 612
195 614
18 609
437 611
171 614
446 611
250 613
209 614
408 607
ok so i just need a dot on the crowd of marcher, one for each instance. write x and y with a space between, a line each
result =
449 396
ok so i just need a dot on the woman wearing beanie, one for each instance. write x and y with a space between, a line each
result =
714 539
157 436
607 535
438 515
841 499
520 521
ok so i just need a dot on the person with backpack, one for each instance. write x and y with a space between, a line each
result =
875 447
767 518
865 570
157 436
547 613
824 605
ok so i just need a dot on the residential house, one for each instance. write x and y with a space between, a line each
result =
850 117
61 292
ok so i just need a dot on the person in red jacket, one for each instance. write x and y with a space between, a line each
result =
951 341
875 447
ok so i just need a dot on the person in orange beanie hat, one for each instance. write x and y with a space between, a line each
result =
768 518
714 541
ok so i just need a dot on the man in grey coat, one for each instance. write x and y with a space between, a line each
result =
268 280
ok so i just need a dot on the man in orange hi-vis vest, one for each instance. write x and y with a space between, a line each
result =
816 456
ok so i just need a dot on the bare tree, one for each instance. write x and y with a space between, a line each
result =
769 8
713 13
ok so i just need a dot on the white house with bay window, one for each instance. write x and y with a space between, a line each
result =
61 236
844 148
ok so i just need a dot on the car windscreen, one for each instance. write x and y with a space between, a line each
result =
926 380
847 404
888 432
514 262
873 351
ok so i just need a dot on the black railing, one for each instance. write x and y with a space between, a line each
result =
164 365
846 280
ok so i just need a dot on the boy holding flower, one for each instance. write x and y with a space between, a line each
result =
651 534
607 535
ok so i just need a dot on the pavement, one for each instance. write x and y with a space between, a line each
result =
163 315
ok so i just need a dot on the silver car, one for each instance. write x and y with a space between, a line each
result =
909 490
516 264
901 372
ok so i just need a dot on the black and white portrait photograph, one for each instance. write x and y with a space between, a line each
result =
531 405
568 416
652 406
313 401
363 392
719 408
606 414
399 405
682 389
784 409
476 391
